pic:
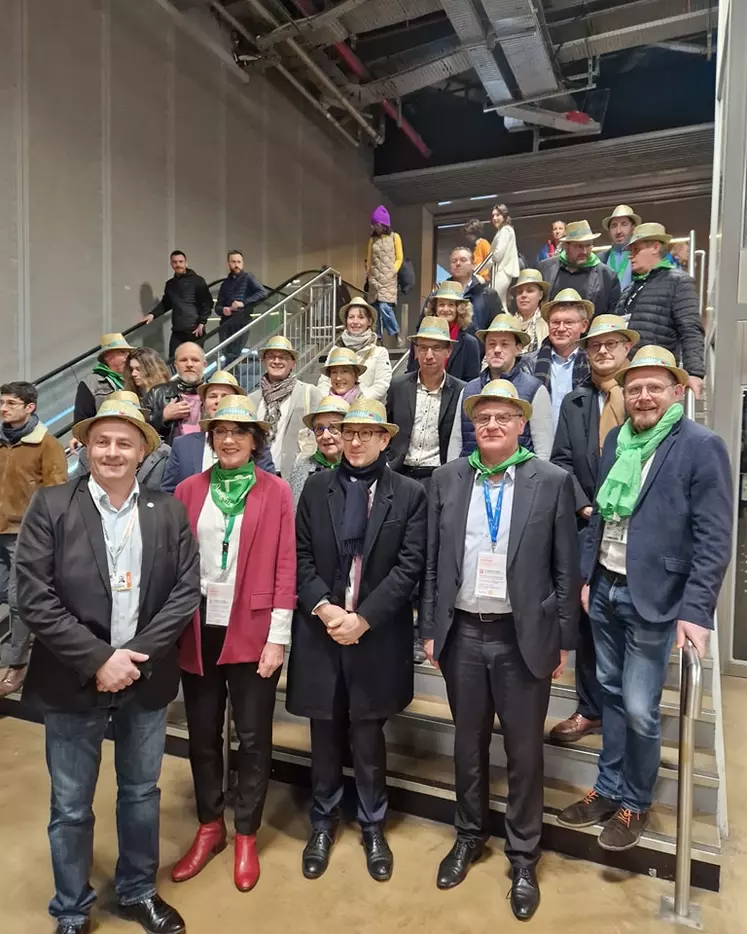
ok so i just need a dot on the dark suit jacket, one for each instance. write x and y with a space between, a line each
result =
376 674
543 577
185 460
64 596
464 359
679 535
400 409
576 447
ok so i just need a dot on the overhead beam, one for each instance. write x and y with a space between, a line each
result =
306 26
414 78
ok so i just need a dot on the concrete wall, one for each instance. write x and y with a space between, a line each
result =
123 138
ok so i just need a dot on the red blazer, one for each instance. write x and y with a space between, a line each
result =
265 571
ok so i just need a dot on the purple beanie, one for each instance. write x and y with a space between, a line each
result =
381 216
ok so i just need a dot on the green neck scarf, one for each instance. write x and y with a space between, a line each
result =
229 488
662 264
618 261
321 459
116 379
518 457
619 493
590 263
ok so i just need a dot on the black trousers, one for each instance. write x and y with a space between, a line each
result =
228 327
253 704
486 675
330 742
183 337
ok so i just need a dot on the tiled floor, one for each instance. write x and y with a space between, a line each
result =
576 897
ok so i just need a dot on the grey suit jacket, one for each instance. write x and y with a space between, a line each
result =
544 583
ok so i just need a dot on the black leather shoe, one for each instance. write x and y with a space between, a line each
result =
154 915
379 857
63 927
316 853
524 894
454 865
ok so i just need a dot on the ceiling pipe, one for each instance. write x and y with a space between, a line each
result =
317 72
357 68
290 78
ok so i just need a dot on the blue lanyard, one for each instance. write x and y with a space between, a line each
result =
494 518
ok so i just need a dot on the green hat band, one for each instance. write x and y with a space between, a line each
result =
650 361
350 417
228 410
436 334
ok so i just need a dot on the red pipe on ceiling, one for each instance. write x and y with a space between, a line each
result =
357 68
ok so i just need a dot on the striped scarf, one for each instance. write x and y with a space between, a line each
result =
543 366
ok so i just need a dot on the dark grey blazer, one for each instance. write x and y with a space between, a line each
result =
576 447
64 596
544 583
400 410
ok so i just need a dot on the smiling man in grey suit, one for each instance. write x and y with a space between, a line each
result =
499 614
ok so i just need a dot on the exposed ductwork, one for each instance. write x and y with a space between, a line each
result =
413 78
520 34
467 26
540 116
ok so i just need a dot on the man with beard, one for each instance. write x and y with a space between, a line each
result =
620 225
238 290
187 296
575 266
587 416
658 546
174 408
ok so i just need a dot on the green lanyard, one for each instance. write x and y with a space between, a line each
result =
618 266
230 522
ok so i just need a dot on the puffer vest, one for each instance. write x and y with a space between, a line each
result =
382 276
526 386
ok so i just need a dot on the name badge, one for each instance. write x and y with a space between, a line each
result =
219 603
120 581
491 575
616 532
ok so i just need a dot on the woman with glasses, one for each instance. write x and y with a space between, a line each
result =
242 518
326 423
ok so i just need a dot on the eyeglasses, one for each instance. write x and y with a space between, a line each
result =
282 355
503 419
564 325
222 433
597 346
334 430
13 403
364 435
633 392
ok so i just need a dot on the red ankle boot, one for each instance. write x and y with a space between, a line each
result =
246 862
209 841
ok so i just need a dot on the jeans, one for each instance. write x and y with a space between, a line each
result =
73 743
387 318
632 658
16 654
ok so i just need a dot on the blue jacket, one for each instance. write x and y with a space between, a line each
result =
526 386
242 288
185 460
679 536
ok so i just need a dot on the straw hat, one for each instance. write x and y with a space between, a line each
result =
343 356
653 355
114 341
365 411
578 232
329 405
506 324
498 390
610 324
433 328
622 210
531 277
278 342
124 395
119 408
221 378
239 409
566 297
449 291
358 302
650 232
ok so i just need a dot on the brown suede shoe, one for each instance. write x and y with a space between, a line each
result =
623 831
12 681
593 809
575 727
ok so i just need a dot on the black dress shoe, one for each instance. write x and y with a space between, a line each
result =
524 894
454 865
379 857
155 916
64 927
316 853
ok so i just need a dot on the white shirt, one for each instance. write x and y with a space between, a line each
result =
613 553
425 449
208 455
211 528
276 448
124 554
477 539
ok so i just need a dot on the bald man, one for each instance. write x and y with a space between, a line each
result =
174 407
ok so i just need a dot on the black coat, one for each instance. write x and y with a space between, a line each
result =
576 447
64 596
378 672
598 285
400 410
155 401
665 310
464 359
188 298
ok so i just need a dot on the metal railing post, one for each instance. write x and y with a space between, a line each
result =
691 257
679 909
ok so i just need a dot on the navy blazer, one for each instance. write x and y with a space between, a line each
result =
185 460
679 535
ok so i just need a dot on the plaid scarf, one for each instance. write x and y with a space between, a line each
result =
274 394
543 366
